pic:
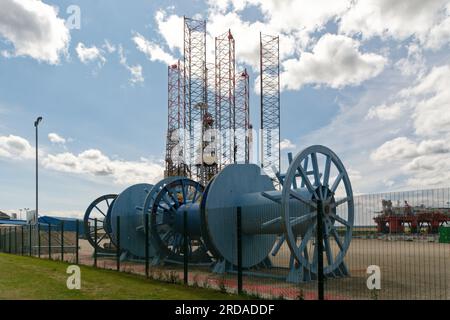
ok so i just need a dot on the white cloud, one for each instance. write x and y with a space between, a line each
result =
335 61
354 175
287 144
171 28
298 21
397 149
110 48
398 19
424 157
289 15
403 148
89 54
34 29
56 138
430 171
386 112
413 63
277 18
135 70
15 147
431 115
246 36
152 50
93 162
439 35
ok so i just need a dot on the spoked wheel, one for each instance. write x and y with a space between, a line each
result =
166 222
100 209
318 174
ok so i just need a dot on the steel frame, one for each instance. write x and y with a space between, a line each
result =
225 97
270 101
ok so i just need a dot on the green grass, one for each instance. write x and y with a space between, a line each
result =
33 278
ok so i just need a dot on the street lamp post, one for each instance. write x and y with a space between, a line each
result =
36 124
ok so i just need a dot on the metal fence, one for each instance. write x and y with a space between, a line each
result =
396 246
41 240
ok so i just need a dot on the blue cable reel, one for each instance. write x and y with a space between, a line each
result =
127 206
177 197
100 209
272 220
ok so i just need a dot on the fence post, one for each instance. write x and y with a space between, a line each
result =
95 241
29 240
118 244
39 239
320 276
146 244
21 240
10 240
49 241
77 234
62 240
239 247
15 239
185 249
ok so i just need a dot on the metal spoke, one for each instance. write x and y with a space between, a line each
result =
170 208
107 202
299 197
326 176
307 236
339 219
315 254
183 190
336 238
336 182
307 182
275 198
305 167
270 222
101 238
328 250
171 194
100 211
294 182
169 204
301 219
315 169
306 254
326 173
278 245
165 235
195 195
341 201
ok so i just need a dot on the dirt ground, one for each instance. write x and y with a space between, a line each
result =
416 269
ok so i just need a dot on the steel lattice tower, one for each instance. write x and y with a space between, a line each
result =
270 101
210 123
175 164
242 116
225 97
198 119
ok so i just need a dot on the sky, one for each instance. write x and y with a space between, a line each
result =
368 79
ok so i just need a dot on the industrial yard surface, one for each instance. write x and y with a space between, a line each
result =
418 268
33 278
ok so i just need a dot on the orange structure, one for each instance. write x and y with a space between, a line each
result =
395 219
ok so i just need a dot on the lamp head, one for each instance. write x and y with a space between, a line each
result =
39 119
